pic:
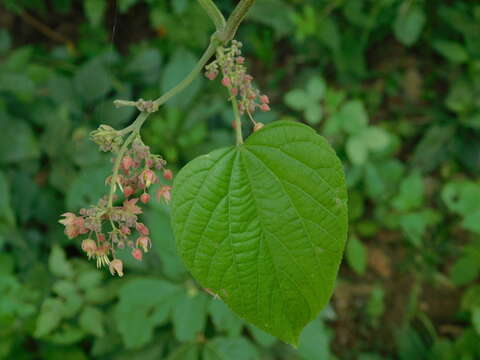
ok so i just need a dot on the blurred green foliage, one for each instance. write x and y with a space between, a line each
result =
393 84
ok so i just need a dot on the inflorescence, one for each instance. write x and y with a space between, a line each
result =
108 227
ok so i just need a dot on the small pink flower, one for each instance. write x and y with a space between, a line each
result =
148 177
164 193
137 254
142 229
127 163
128 191
226 82
145 198
211 75
234 91
116 266
240 60
144 242
264 107
89 246
125 230
74 225
131 207
167 174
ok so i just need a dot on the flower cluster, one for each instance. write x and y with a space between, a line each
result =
108 227
231 64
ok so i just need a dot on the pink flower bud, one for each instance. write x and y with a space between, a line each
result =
248 78
125 230
148 177
167 174
226 81
264 107
234 91
258 126
127 191
149 163
137 254
142 229
264 99
144 242
164 193
100 237
116 266
240 60
145 198
127 163
211 75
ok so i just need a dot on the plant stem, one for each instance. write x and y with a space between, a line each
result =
235 20
214 43
238 120
135 128
214 13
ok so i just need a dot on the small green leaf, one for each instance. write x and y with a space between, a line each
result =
453 51
58 264
313 114
464 271
357 150
49 318
297 99
263 225
225 319
144 304
92 81
356 255
91 320
222 348
353 117
190 316
314 342
411 194
316 88
409 23
124 5
476 319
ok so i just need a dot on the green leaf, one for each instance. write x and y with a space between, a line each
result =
261 337
91 320
357 150
124 5
313 114
58 264
297 99
190 316
49 318
314 342
316 88
353 117
144 304
21 145
263 225
476 319
453 51
94 10
187 351
222 348
464 271
411 194
356 255
92 81
224 319
409 24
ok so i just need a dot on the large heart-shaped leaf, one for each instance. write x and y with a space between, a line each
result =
264 224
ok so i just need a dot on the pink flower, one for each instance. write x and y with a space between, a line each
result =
137 254
167 174
211 75
116 266
142 229
164 193
226 82
131 207
240 60
264 99
144 242
74 225
89 246
127 163
264 107
148 177
145 198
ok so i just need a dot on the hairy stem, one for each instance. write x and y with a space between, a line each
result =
214 13
238 120
135 129
214 43
235 19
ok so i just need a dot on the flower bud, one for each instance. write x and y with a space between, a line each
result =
234 91
144 242
89 246
264 107
137 254
167 174
164 193
142 229
127 163
148 177
116 266
264 99
240 60
145 198
125 230
258 126
127 191
211 75
226 82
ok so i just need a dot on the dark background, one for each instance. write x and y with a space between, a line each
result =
393 84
